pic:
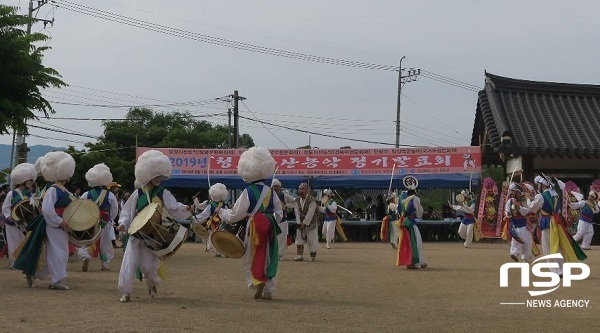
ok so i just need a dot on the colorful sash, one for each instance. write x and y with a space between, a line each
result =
408 251
262 233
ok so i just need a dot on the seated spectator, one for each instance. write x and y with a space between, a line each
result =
370 209
447 212
428 215
349 205
380 208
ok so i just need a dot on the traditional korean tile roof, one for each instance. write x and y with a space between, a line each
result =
538 118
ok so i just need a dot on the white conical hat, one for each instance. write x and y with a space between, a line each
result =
99 175
151 164
218 192
22 173
58 165
256 164
38 165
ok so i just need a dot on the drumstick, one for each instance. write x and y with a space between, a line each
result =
344 208
510 181
391 178
274 173
207 177
208 170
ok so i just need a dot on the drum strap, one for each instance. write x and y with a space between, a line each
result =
64 189
98 202
262 197
16 199
101 197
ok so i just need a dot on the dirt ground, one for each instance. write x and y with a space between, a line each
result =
354 287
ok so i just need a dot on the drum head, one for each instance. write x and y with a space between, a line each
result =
227 243
460 198
200 230
81 214
24 210
178 240
143 217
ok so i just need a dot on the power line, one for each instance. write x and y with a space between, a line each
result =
450 81
213 40
372 126
61 128
253 34
57 139
255 117
117 106
65 132
141 24
321 134
220 114
103 150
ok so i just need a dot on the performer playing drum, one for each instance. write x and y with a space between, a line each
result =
209 217
151 168
22 177
585 228
466 203
261 208
389 225
98 177
58 167
32 249
516 210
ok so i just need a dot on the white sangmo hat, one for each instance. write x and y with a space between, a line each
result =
99 175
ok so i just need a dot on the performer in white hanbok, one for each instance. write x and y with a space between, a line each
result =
98 178
329 208
151 168
585 228
259 205
58 167
22 177
555 238
465 230
31 258
209 217
307 218
516 210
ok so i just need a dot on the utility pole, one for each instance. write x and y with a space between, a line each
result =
411 75
229 128
236 124
20 153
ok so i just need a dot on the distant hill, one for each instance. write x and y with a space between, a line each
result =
32 155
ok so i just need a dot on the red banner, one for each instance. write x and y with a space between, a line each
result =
331 161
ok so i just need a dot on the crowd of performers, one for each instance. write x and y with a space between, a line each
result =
533 221
40 239
534 217
40 247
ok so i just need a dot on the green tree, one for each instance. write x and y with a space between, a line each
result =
22 73
496 172
144 127
156 129
5 175
122 170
